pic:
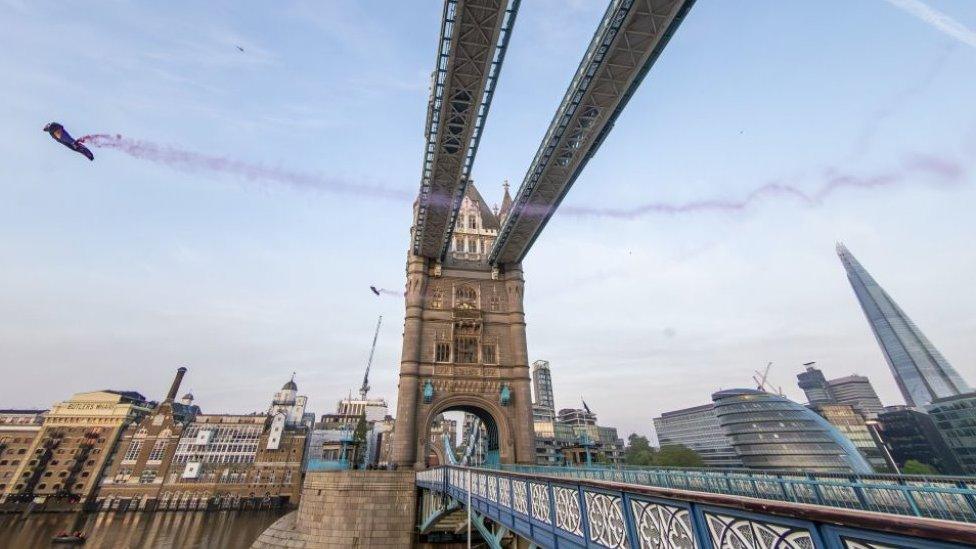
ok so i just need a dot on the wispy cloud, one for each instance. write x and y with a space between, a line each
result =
936 19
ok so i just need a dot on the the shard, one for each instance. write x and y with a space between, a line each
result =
920 370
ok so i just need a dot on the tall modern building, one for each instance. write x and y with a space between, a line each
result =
856 391
542 385
814 385
852 390
698 428
922 373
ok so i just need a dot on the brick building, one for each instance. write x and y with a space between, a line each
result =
66 458
178 458
18 429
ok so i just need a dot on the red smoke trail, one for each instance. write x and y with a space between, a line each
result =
937 168
195 162
940 169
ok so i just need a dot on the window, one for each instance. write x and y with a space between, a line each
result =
436 299
494 303
147 477
466 350
488 354
465 297
158 450
442 352
132 453
472 246
472 222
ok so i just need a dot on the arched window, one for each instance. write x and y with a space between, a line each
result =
465 298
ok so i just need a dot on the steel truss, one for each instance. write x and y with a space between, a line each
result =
629 39
474 38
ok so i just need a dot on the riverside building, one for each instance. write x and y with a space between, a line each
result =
772 432
66 459
698 429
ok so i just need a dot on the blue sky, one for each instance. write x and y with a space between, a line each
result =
118 271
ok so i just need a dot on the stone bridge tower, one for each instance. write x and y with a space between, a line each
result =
464 345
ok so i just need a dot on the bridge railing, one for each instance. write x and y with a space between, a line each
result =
562 511
947 498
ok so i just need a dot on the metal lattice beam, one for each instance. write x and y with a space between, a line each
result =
629 39
474 38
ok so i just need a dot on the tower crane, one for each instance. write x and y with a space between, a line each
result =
369 363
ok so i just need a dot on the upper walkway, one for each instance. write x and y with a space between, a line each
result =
665 508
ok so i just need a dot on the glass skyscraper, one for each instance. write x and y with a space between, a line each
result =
922 373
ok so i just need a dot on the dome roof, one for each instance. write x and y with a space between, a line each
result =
188 396
290 386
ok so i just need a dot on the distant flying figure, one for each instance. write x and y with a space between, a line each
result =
61 135
240 48
375 291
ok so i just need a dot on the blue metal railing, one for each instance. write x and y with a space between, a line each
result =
553 511
947 498
328 465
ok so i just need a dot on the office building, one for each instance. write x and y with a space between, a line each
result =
698 429
771 432
853 390
920 370
955 418
852 425
911 434
542 386
814 386
856 391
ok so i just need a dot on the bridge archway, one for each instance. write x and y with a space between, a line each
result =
500 443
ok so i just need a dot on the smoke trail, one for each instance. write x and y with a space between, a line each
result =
196 162
870 127
937 20
938 169
393 293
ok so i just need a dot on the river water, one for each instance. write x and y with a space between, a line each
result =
176 529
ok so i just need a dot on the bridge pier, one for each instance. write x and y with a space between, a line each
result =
349 509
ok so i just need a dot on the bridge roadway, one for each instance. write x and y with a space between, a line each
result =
647 508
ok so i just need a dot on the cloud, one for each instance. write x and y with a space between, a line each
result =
936 19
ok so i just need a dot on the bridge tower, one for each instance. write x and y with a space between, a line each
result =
464 346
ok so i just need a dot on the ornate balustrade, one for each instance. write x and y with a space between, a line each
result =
553 511
947 498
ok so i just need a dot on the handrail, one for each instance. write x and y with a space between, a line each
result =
555 510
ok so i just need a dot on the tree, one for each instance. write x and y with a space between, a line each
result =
678 456
639 451
915 467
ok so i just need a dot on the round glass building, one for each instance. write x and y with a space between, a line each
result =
772 432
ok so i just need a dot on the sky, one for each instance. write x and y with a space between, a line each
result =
675 267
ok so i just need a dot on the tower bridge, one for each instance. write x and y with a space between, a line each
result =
464 349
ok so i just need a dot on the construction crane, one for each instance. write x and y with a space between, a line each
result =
369 363
761 381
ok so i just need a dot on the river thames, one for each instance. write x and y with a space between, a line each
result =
230 529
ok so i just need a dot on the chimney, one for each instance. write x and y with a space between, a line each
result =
171 396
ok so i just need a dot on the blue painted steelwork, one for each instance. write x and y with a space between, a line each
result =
439 79
947 498
553 512
554 149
